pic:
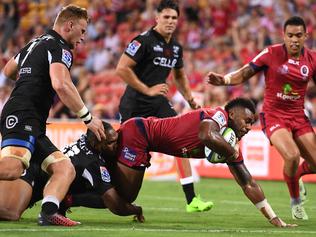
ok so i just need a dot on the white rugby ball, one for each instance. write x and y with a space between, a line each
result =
230 137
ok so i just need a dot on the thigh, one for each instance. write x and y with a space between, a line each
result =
283 141
15 197
307 147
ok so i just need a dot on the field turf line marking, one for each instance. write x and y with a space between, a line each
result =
74 229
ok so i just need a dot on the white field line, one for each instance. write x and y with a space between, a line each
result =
74 229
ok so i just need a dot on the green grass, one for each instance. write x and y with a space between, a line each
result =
164 210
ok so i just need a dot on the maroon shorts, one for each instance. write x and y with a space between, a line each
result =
298 124
133 144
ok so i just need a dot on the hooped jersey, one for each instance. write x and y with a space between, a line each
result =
154 59
33 91
286 78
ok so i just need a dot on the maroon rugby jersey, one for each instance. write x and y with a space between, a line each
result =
178 136
286 78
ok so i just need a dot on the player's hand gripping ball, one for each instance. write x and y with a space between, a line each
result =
230 137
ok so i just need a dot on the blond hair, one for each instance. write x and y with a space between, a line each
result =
71 12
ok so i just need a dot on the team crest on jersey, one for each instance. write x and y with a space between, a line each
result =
133 47
284 69
105 174
128 154
66 58
304 71
219 117
176 49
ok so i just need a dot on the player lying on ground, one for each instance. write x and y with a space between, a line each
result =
91 176
186 136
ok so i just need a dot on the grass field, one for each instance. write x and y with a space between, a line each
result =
163 204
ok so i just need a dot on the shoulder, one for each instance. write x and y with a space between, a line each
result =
218 114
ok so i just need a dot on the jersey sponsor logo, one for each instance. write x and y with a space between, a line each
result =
219 118
105 174
133 47
304 72
66 58
11 121
128 154
288 93
165 62
158 48
25 70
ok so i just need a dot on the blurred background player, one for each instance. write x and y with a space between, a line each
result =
144 66
92 177
287 68
41 69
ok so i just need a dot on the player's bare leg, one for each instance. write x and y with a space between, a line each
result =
14 199
62 174
13 162
194 203
282 140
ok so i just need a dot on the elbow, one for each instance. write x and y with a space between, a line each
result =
117 210
206 138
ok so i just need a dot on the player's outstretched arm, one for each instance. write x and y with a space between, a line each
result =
68 94
255 194
119 206
237 77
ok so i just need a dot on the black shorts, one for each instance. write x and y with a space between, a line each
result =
160 108
37 179
23 130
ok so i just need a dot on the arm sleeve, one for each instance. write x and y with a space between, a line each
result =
179 63
218 115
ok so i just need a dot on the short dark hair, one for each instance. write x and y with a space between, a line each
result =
296 21
241 102
164 4
91 137
71 12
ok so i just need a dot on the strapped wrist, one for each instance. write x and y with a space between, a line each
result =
266 209
227 79
84 115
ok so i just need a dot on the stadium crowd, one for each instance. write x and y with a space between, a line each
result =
217 35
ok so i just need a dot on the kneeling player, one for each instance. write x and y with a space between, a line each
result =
92 176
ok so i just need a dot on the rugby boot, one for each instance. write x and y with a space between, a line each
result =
55 219
197 205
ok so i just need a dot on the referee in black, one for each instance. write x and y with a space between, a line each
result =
145 66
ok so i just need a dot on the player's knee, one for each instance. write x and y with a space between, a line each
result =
9 214
65 168
11 169
292 156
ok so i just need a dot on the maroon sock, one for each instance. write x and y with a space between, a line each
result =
303 169
293 186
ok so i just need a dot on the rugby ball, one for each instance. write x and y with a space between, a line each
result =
230 137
